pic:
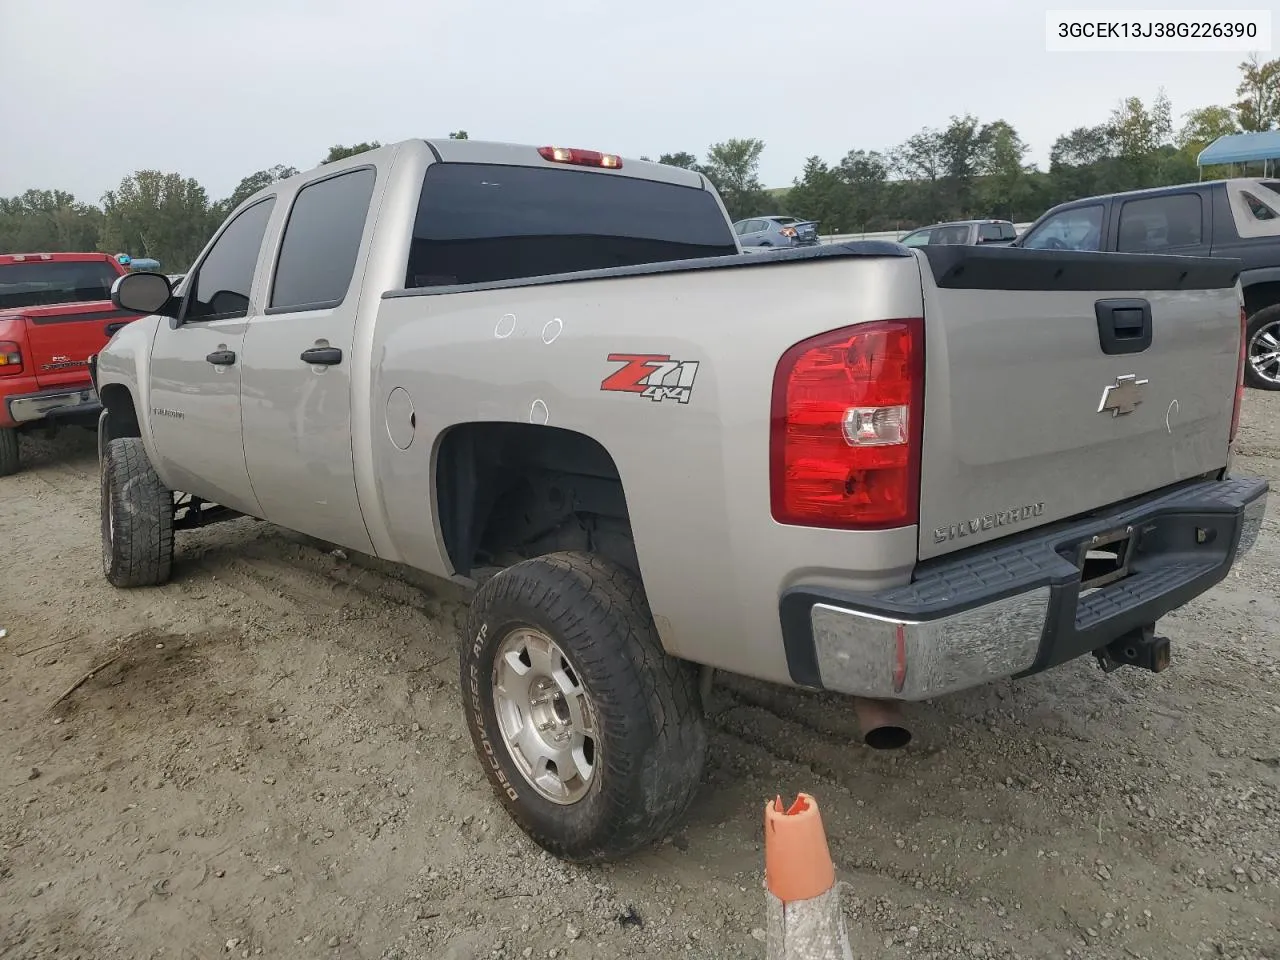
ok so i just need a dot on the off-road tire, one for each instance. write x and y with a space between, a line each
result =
137 517
652 742
9 459
1262 318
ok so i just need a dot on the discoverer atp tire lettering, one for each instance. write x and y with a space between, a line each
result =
137 517
648 726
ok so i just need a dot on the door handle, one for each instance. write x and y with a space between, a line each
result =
324 356
1124 325
222 358
112 328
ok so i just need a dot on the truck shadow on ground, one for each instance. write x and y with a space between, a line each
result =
69 446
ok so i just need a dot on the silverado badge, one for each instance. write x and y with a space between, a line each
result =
1123 396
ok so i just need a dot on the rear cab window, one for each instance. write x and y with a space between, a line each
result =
918 239
46 283
1259 209
1157 224
1077 228
483 223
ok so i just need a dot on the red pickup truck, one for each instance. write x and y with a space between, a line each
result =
55 312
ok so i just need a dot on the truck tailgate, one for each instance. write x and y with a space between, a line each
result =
61 339
1048 394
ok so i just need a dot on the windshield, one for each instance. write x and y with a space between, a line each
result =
43 283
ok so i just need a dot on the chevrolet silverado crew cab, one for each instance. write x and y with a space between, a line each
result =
55 311
551 374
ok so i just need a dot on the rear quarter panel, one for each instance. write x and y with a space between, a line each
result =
695 475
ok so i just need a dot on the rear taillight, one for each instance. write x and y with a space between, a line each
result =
1244 350
847 422
10 358
582 158
788 231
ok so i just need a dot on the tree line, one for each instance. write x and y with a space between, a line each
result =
968 168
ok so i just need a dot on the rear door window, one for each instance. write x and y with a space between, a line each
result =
224 279
1077 228
1155 224
483 223
918 239
954 235
321 242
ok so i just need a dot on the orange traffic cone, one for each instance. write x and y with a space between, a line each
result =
804 918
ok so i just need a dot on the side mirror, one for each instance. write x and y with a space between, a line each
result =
145 293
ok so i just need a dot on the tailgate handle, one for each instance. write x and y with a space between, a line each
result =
1124 325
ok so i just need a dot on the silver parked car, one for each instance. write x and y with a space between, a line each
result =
776 232
964 232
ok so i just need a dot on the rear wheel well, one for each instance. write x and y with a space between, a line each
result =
1259 296
122 416
507 492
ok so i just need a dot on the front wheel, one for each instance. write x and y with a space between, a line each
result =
590 734
1262 359
9 459
137 517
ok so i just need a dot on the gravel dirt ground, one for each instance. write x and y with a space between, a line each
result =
270 761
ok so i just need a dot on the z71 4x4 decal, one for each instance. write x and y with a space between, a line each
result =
652 375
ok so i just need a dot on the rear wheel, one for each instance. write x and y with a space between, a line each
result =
1262 361
9 460
591 735
137 517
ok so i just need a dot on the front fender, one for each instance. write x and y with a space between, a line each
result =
125 362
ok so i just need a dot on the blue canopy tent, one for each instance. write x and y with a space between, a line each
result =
137 263
1243 148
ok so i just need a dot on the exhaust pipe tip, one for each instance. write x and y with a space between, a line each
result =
887 738
881 723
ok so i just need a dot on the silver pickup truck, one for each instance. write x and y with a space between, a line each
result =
552 375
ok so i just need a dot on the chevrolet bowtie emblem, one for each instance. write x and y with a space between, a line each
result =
1123 396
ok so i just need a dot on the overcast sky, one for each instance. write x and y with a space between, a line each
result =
90 92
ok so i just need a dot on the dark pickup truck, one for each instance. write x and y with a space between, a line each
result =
55 311
1237 218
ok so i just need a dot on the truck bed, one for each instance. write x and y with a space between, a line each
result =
991 316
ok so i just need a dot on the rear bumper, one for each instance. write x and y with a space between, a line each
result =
43 404
1016 607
